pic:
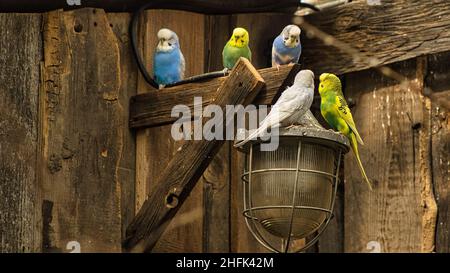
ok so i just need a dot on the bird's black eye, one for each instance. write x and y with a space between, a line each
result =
170 44
296 41
321 85
286 38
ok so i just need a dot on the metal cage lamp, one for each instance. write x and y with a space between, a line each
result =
289 193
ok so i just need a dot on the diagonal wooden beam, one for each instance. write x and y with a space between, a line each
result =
154 108
188 164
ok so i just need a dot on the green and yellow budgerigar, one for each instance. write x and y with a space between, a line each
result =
236 47
335 111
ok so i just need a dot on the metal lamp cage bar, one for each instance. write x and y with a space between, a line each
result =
248 212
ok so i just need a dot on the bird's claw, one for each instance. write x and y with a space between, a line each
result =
161 86
290 126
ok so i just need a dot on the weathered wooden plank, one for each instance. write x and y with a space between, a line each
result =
391 32
155 146
126 170
154 107
83 142
206 6
216 178
438 85
394 121
20 206
188 164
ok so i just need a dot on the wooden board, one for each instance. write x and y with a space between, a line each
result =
83 137
155 146
391 32
438 84
20 206
207 6
216 178
177 180
126 170
394 121
154 108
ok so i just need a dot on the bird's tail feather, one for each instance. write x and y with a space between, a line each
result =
353 143
252 136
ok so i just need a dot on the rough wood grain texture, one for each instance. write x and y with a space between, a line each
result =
394 122
154 107
206 6
262 28
216 199
83 139
155 146
188 164
216 178
438 83
392 32
20 207
126 171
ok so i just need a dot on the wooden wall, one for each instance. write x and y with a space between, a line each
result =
71 170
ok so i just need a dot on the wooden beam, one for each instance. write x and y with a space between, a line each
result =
21 225
188 164
154 108
201 6
395 31
82 161
399 215
438 87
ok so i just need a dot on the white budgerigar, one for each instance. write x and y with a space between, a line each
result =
293 103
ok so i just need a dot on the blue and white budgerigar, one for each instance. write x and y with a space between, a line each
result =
168 61
289 109
286 47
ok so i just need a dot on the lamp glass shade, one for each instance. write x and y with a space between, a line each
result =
275 186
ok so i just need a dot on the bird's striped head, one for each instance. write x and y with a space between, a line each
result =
291 36
239 38
167 40
329 82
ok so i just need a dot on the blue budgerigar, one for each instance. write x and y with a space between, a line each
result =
286 47
168 61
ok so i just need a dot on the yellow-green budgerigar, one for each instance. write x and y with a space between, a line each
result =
236 47
335 111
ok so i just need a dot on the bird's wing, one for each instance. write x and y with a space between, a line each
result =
285 106
346 115
297 56
274 56
182 66
249 54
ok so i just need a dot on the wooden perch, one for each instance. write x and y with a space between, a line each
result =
188 164
154 108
